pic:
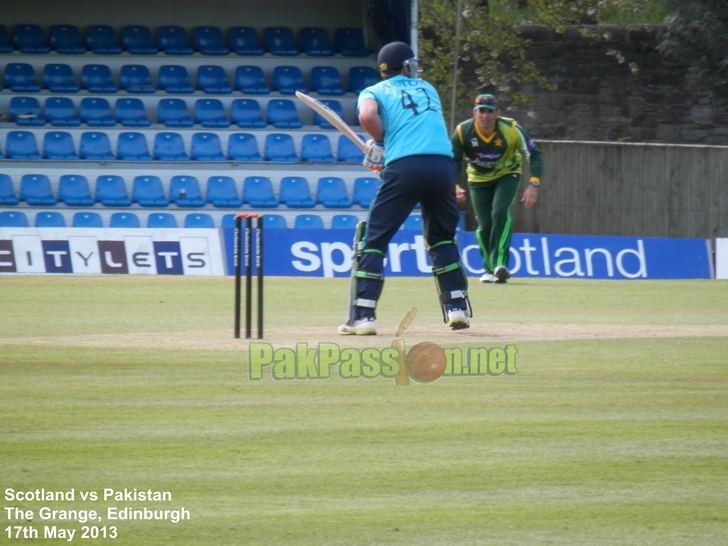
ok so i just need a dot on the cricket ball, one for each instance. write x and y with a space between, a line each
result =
426 361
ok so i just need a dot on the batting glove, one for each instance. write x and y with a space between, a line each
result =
374 156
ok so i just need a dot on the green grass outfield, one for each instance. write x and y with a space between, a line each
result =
614 431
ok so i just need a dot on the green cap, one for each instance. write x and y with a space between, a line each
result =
486 101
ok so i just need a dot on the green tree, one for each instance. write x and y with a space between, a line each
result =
697 35
476 46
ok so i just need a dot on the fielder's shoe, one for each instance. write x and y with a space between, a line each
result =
501 275
487 277
361 327
457 319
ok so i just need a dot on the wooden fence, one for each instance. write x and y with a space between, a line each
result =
646 190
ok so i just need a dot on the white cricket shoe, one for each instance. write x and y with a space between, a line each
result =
457 319
487 277
362 327
501 275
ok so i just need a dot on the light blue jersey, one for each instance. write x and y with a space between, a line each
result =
411 115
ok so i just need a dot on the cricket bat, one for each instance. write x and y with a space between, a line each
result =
333 118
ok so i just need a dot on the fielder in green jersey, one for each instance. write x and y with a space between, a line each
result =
495 148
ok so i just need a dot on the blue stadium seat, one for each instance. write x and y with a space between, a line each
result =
348 152
124 220
206 147
7 191
282 114
132 146
279 147
199 220
331 193
138 40
61 112
5 45
315 42
308 221
148 191
13 219
95 145
413 221
288 79
210 113
162 220
66 40
130 112
295 192
316 148
136 78
184 191
228 221
344 221
59 145
35 189
97 78
246 113
169 147
21 78
222 192
209 40
174 113
326 80
25 111
350 42
212 79
21 145
250 80
59 78
87 220
365 188
102 40
244 41
111 191
74 191
361 77
243 147
50 219
30 39
174 78
258 192
333 105
174 40
96 112
280 41
274 221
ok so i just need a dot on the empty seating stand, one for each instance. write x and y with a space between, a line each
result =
30 39
245 41
222 192
138 40
148 191
50 219
66 40
102 40
295 192
315 42
184 191
174 40
74 191
280 41
209 40
35 189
